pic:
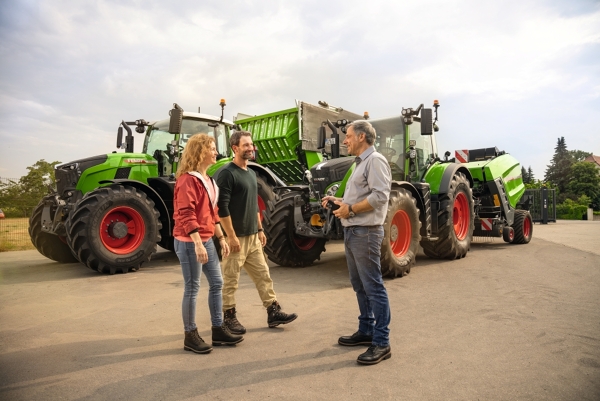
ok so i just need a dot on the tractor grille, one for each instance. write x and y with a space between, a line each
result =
122 173
66 180
328 172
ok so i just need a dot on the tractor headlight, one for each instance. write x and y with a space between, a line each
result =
333 189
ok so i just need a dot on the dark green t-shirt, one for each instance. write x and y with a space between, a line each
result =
238 194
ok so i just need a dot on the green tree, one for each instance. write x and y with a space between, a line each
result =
559 170
585 181
527 175
22 196
524 175
530 175
578 155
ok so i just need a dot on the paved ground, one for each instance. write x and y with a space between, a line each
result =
518 322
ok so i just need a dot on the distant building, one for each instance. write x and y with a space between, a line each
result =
593 159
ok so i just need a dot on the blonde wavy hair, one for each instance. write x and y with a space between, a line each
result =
196 150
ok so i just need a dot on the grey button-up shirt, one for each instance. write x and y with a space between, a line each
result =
371 179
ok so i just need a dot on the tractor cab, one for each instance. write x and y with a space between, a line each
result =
166 147
405 147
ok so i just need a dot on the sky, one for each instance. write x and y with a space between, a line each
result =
512 74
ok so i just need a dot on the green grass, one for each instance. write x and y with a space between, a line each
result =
14 235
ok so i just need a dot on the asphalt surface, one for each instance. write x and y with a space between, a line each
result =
508 322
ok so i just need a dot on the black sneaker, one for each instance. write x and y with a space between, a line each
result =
374 355
193 342
357 338
230 320
276 316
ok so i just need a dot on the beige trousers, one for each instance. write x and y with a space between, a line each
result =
251 258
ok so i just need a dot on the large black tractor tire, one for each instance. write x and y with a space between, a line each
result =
455 222
50 245
166 238
114 229
284 246
523 226
401 234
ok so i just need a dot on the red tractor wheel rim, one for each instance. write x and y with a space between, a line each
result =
527 227
122 230
304 244
261 207
461 216
511 234
400 233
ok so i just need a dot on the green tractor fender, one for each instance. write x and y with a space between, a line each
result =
439 176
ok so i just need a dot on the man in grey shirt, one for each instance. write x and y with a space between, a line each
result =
362 212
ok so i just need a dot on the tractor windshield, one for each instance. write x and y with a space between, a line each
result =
159 142
425 147
390 143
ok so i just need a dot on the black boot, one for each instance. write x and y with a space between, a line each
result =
277 316
222 336
374 355
193 342
230 320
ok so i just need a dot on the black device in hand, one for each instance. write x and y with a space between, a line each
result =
332 206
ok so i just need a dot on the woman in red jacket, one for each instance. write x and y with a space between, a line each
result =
196 222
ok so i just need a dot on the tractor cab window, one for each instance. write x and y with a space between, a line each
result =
218 131
390 143
425 147
159 142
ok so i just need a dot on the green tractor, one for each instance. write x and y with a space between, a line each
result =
438 204
111 211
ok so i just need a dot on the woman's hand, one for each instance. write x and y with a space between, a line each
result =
201 254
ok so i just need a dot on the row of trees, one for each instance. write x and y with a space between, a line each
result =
576 181
18 198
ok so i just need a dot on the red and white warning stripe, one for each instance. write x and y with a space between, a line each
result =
462 156
486 224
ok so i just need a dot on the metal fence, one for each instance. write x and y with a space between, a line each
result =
541 204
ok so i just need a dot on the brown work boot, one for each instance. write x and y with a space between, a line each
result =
222 336
230 320
276 316
193 342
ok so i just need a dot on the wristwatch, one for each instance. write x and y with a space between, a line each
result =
350 212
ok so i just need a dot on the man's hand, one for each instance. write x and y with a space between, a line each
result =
329 198
234 244
343 212
263 238
224 248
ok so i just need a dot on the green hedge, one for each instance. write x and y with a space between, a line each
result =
570 210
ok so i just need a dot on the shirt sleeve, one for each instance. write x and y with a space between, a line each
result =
379 179
225 183
186 205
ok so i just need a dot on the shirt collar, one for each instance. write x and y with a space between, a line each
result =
366 153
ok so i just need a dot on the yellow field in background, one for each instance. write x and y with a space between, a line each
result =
14 235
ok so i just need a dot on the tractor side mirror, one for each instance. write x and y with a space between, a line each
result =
176 119
119 137
321 137
426 122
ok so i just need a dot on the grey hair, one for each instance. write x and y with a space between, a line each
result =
364 127
234 139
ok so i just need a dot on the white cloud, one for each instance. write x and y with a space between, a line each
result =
73 70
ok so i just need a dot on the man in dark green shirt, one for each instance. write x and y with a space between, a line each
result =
240 218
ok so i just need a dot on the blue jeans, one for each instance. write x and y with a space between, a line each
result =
190 268
363 252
